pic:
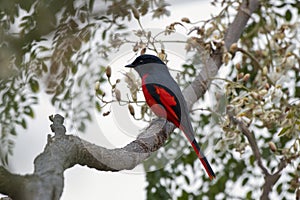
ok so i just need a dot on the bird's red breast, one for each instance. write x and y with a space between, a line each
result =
162 101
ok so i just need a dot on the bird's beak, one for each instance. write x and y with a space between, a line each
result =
130 66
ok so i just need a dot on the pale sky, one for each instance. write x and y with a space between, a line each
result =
82 182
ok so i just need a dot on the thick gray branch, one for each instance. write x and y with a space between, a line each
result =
64 151
238 25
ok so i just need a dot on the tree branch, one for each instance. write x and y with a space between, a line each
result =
64 151
249 135
201 83
238 25
270 179
11 184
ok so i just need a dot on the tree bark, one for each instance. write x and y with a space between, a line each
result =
64 151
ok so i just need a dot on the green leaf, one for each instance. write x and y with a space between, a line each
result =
13 132
23 123
26 5
74 69
245 181
187 180
252 160
28 111
15 106
34 85
81 127
288 15
104 34
297 90
44 67
184 195
91 5
281 5
98 106
284 130
279 188
67 95
249 195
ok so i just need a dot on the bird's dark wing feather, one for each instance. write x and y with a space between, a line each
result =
166 98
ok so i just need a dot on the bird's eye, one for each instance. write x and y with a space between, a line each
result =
141 61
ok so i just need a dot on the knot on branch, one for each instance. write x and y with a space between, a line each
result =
57 127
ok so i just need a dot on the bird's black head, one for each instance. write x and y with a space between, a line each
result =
145 59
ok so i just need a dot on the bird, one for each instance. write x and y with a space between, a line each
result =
164 97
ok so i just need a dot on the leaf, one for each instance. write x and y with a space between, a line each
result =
34 85
81 127
15 105
281 5
284 130
44 67
13 132
91 5
245 181
23 123
187 180
249 195
144 8
67 95
104 34
279 188
74 69
288 15
28 111
26 5
184 195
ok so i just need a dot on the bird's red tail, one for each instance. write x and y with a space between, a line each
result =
203 160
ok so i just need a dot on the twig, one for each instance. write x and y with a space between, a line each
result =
249 135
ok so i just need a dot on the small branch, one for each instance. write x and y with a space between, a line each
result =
238 25
249 135
270 179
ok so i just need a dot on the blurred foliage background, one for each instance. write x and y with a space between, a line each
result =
46 45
